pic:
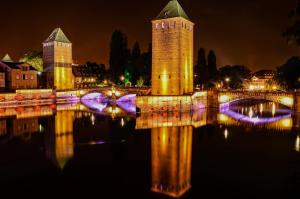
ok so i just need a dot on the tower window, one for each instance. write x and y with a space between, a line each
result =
169 76
163 24
156 26
158 76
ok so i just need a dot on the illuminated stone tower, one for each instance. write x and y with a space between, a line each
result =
171 149
172 61
57 57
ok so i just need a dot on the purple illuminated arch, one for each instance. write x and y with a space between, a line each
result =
128 98
94 96
94 105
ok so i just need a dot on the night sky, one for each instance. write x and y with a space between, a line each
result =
244 32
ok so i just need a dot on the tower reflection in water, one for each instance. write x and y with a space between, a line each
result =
171 149
60 143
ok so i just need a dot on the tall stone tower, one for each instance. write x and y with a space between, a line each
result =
172 61
57 57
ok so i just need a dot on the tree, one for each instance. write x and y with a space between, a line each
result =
140 82
145 69
289 73
201 71
135 63
292 33
119 55
35 59
234 76
212 65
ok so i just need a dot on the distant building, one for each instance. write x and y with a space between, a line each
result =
83 77
262 80
172 60
57 57
2 79
17 75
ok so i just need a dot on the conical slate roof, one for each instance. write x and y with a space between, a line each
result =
172 9
58 36
7 58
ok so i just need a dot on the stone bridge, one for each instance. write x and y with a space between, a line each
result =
289 99
109 92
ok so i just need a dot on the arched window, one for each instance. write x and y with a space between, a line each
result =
163 25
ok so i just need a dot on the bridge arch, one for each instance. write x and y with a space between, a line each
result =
286 99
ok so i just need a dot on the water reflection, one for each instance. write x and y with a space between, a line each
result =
60 143
171 149
261 114
72 126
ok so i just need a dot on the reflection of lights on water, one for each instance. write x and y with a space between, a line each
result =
261 108
226 134
273 109
122 122
243 110
297 144
251 113
223 117
286 123
41 128
93 119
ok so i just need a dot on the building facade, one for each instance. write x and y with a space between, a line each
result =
262 80
57 57
2 79
17 75
172 61
83 77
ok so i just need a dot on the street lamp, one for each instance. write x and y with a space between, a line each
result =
122 78
227 79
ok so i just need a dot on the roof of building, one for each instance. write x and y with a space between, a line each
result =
57 35
15 65
82 71
172 9
7 58
263 73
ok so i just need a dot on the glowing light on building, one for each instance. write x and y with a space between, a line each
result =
288 101
224 98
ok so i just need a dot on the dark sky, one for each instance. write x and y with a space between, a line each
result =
244 32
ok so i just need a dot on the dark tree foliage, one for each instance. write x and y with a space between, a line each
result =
200 70
292 33
96 69
236 74
119 55
146 66
206 69
134 68
212 65
289 73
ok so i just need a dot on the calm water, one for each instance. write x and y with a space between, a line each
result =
248 150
